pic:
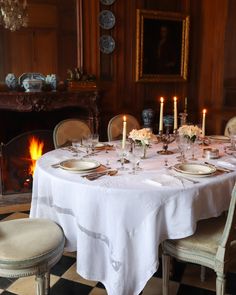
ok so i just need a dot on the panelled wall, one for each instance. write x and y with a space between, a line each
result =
212 64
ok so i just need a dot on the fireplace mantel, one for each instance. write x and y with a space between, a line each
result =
49 101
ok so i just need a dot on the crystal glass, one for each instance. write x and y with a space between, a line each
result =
183 145
76 144
122 153
135 156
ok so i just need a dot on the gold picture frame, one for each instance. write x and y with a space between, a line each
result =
162 46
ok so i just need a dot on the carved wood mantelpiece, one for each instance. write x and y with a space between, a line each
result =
49 101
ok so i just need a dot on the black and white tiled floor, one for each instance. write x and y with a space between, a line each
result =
65 280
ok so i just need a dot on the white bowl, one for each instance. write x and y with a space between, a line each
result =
32 85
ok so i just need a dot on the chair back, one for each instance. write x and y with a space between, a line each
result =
229 233
70 129
115 126
230 127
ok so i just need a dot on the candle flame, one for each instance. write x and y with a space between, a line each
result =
162 99
124 118
175 98
204 111
35 150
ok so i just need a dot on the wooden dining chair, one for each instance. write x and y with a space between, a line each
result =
115 126
230 127
213 245
30 246
68 130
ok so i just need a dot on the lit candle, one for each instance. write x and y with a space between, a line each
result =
161 115
203 122
175 113
124 132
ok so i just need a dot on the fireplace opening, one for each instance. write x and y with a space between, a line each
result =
18 158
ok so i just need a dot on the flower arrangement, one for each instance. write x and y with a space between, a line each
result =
190 132
142 136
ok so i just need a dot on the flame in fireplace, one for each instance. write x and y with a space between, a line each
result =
35 150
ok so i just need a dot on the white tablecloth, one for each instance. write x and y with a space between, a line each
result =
116 223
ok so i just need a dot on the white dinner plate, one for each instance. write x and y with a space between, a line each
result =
219 138
77 165
195 169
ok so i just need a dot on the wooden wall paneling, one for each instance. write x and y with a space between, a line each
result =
214 18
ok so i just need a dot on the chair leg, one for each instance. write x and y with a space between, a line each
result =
220 284
165 273
40 284
203 273
47 283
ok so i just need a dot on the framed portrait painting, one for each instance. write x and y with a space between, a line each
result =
162 45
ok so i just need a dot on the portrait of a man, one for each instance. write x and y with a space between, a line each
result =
162 44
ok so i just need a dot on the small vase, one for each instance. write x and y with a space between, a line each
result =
144 152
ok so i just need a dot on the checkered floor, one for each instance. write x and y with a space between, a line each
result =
65 280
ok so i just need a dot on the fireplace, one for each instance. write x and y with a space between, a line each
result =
24 115
16 160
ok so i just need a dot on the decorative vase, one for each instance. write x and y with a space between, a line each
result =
148 116
144 151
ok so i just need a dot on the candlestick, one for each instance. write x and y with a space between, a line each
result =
203 122
124 133
175 113
161 115
185 105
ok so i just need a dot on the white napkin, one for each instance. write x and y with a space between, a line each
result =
163 180
226 164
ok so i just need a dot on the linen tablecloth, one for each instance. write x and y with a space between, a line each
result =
116 223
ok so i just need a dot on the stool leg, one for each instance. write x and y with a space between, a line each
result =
40 284
165 273
47 283
220 284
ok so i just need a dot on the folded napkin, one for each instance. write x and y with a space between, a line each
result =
163 180
226 164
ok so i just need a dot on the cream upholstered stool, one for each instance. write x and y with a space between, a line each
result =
70 129
30 247
212 245
230 127
115 126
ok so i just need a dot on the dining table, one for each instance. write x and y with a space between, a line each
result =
117 222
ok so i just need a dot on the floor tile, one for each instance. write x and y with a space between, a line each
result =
63 265
191 276
16 215
231 283
98 291
72 275
190 290
6 282
100 285
27 285
66 287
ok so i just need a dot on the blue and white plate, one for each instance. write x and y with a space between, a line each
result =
107 2
106 19
107 44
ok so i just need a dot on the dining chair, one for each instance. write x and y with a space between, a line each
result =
30 246
213 245
115 126
68 130
230 127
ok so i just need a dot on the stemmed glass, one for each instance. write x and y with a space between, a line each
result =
122 153
183 145
76 144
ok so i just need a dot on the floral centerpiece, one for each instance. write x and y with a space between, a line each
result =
191 132
142 137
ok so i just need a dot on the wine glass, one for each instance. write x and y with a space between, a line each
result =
76 144
122 152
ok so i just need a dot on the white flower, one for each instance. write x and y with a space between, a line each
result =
190 131
142 135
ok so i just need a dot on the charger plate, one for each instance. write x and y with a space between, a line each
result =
195 169
78 165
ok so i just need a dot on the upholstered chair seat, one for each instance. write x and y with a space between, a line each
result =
30 247
213 245
230 128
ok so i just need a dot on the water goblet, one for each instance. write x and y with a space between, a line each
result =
94 141
183 144
122 153
76 144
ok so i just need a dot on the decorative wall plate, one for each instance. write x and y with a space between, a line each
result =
106 19
107 2
31 76
107 44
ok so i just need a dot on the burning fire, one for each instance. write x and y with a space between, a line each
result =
35 150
